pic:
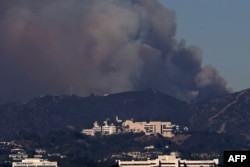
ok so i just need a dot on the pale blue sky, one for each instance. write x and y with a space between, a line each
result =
221 28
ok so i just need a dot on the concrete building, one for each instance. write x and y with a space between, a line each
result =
96 128
151 128
34 162
91 132
169 161
18 156
40 151
166 129
104 130
134 126
108 129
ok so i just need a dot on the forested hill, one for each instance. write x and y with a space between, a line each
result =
228 114
48 113
55 122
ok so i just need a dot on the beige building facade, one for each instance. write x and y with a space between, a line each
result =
169 161
151 128
34 162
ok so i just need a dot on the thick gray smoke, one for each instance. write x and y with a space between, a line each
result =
97 46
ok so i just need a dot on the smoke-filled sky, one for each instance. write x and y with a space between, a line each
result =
95 46
221 29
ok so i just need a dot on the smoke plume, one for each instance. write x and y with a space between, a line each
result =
95 46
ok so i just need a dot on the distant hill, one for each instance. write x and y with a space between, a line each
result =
215 125
225 114
48 113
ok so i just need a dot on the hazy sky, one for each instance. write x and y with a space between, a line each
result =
221 30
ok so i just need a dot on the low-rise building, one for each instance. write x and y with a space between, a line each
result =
40 151
104 130
134 126
150 147
34 162
18 156
169 161
91 132
166 129
108 129
151 128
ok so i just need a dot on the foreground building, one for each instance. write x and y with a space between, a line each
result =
169 161
34 162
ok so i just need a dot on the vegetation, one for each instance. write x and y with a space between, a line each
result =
54 123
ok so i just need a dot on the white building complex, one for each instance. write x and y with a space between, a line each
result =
91 132
169 161
34 162
151 128
104 130
166 129
108 129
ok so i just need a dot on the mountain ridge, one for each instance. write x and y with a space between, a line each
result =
58 112
225 115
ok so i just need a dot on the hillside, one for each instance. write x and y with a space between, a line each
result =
49 113
54 123
225 114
